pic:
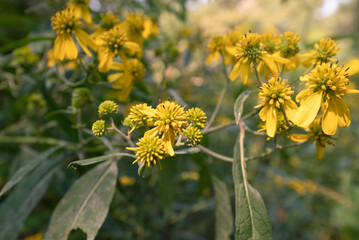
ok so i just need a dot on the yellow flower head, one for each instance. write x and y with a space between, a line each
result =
108 21
249 51
150 151
281 124
151 28
289 44
65 23
83 7
136 69
194 135
315 134
219 45
114 43
326 86
324 51
107 107
233 37
275 97
141 115
197 117
98 128
135 26
270 42
170 118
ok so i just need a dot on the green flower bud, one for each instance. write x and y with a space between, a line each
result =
107 107
194 135
98 128
197 117
81 97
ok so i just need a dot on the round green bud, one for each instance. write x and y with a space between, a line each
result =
107 107
194 135
98 128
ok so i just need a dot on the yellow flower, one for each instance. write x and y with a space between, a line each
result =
65 23
141 115
151 28
125 80
324 51
134 25
107 108
289 49
170 118
270 42
83 8
315 134
98 128
282 125
219 45
114 42
326 86
275 97
194 135
150 151
197 117
248 52
108 21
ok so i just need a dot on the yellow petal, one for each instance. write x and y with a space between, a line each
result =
271 121
152 132
245 72
117 66
344 117
270 64
70 48
132 48
353 66
125 92
168 139
235 71
290 109
263 113
330 119
58 51
320 150
352 91
105 61
295 137
308 110
114 77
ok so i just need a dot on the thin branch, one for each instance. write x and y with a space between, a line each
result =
214 154
126 137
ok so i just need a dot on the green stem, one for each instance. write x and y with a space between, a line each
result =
256 74
214 154
126 137
79 134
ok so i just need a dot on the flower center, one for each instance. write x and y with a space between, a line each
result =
248 48
115 39
65 22
276 92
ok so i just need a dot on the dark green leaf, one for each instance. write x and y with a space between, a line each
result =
94 160
86 204
15 209
30 165
238 106
251 218
223 210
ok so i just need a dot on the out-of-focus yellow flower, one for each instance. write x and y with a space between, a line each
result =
170 118
115 43
289 49
275 97
51 61
248 52
315 133
270 42
66 23
324 52
108 21
326 86
135 73
36 236
150 151
83 7
127 181
24 56
353 66
150 28
135 25
219 45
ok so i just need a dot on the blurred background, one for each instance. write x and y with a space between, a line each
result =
305 198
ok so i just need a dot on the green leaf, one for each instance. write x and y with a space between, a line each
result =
30 165
16 208
251 218
86 204
94 160
238 106
223 210
21 42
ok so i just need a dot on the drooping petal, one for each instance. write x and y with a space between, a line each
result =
69 48
330 119
290 109
235 71
114 77
168 139
295 137
271 121
308 109
344 117
152 132
58 51
105 60
245 72
352 91
270 64
85 40
263 113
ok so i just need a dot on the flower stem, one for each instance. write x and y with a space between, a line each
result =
256 73
79 134
126 137
214 154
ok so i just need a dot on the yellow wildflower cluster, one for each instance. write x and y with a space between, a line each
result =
321 105
167 120
111 39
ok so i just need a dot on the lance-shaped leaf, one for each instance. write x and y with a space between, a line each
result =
223 210
19 204
238 106
94 160
28 167
86 204
251 220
